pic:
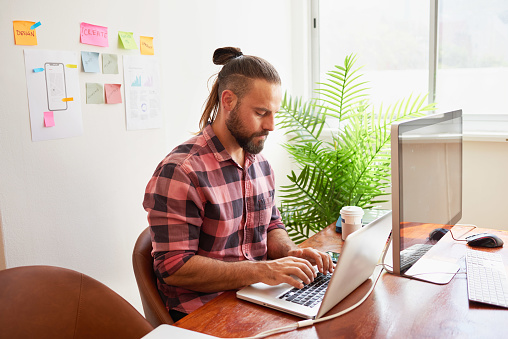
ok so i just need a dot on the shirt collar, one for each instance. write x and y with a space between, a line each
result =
218 149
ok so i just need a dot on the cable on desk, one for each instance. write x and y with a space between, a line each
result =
463 225
310 322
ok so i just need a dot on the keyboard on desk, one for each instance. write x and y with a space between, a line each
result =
487 281
412 254
310 295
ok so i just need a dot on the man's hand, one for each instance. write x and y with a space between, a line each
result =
274 272
322 260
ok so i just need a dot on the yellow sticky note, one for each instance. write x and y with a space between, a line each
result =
23 35
127 40
146 45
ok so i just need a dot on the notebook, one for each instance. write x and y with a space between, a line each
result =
360 254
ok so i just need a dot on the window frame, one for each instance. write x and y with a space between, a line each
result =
477 127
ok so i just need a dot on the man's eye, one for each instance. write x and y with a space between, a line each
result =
260 113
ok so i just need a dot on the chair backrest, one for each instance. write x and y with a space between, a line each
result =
142 261
54 302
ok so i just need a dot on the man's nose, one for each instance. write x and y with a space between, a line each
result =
269 122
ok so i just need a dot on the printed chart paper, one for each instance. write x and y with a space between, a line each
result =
55 90
142 92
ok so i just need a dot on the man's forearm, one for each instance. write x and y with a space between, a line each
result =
279 244
204 274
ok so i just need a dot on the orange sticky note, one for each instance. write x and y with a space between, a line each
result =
49 119
23 35
68 99
146 45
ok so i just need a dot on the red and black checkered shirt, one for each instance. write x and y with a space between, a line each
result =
200 201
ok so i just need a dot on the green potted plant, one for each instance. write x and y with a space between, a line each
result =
341 146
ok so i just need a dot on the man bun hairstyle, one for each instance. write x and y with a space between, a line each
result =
236 75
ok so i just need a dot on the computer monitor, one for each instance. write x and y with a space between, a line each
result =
426 155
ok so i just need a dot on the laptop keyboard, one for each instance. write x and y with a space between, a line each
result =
310 295
412 254
487 281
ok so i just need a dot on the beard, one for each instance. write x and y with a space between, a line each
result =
242 137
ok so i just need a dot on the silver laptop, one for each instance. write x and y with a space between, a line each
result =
360 254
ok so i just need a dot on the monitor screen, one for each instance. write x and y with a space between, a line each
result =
426 178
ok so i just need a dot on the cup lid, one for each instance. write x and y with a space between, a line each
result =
351 210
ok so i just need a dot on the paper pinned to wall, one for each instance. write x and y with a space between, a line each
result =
23 34
113 93
109 63
90 62
94 93
127 40
57 90
94 35
142 92
146 45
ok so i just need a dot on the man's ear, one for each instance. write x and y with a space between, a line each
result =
228 100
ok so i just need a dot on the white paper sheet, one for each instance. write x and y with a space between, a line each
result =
47 88
142 92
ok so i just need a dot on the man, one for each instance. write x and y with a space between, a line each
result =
210 202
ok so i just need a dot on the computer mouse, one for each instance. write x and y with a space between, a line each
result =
484 240
437 233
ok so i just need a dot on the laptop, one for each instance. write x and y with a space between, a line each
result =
360 255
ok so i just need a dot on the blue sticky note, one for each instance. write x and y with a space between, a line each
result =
34 26
37 70
90 62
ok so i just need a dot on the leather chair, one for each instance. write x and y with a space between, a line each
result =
55 302
142 261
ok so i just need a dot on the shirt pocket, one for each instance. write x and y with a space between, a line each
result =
263 210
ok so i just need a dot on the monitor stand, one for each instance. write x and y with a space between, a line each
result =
432 270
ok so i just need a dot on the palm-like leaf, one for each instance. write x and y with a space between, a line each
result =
351 169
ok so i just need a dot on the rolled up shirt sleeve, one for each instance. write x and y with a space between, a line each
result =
175 215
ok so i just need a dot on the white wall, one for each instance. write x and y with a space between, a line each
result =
76 202
485 181
273 30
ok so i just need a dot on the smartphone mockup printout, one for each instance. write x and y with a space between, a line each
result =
55 86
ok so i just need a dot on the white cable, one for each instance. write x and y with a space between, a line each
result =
310 322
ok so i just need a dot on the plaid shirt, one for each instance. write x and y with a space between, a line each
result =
200 201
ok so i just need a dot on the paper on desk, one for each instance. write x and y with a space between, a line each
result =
167 331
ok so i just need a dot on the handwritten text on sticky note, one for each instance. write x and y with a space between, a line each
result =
113 94
146 45
109 63
127 40
94 93
94 35
90 62
23 35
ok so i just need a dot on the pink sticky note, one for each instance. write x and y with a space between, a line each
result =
49 120
94 35
113 94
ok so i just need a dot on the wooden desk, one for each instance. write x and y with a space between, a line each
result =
398 307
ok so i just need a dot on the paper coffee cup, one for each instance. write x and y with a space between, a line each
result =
351 220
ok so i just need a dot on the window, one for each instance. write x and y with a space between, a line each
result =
455 50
